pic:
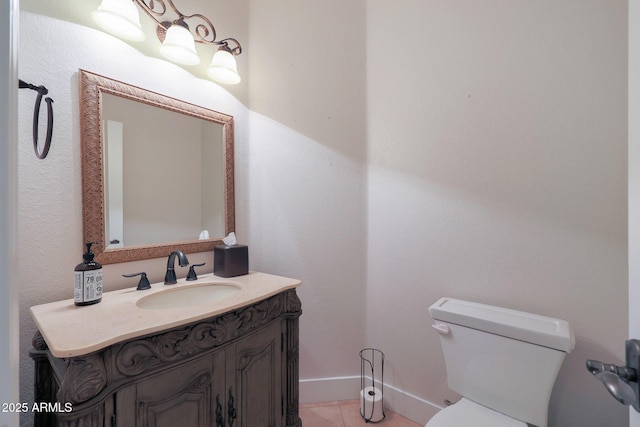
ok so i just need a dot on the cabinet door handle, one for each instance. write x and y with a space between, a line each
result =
219 417
231 410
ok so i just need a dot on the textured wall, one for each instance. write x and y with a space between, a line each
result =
50 190
306 194
393 154
497 173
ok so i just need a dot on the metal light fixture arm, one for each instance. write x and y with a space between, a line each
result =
204 30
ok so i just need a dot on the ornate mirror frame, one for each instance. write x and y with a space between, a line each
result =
92 87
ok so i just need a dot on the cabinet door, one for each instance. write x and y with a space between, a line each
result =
255 384
181 396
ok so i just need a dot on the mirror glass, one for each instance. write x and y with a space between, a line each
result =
157 172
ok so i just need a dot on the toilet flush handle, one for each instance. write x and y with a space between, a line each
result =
441 328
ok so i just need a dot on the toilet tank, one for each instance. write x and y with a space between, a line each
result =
506 360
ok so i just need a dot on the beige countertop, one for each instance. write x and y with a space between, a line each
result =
71 330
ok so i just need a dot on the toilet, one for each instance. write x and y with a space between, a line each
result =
503 362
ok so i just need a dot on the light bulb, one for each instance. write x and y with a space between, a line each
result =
223 67
179 46
120 18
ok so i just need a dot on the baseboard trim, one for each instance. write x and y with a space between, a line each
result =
348 388
329 389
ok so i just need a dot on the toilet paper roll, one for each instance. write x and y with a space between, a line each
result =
371 404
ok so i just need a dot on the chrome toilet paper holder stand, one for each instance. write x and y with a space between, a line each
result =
372 377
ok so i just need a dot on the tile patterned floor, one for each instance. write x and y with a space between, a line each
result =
345 413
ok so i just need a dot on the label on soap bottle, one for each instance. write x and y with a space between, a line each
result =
87 286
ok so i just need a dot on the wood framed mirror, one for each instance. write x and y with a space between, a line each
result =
162 192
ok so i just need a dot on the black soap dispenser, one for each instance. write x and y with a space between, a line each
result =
87 287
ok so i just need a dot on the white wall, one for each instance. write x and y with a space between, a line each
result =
299 201
306 189
50 190
497 173
9 331
487 162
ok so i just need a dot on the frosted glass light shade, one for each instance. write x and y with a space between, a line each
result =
120 18
179 46
223 68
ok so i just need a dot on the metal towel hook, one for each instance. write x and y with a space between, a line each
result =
36 115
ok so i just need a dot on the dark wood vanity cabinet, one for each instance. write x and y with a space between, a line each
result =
177 396
239 369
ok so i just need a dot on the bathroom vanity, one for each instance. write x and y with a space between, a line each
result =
133 361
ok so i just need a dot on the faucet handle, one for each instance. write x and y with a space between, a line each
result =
143 283
192 272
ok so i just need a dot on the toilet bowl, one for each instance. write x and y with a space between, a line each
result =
467 413
502 362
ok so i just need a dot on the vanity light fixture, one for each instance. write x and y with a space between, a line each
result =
223 67
178 45
121 18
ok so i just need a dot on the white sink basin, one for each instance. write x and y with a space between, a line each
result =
187 296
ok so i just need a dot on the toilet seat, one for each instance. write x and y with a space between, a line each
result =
468 413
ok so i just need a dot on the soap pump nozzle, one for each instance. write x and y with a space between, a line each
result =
88 255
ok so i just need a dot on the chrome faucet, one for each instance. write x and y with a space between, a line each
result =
170 276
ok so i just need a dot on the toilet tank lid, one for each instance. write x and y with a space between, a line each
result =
519 325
